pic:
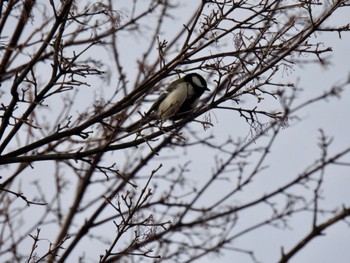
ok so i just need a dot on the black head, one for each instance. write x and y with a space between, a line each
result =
197 81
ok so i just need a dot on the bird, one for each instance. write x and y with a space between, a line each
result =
179 99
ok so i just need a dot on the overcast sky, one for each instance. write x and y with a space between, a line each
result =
295 149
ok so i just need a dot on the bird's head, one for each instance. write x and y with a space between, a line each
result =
197 81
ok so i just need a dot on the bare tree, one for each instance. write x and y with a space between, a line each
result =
76 187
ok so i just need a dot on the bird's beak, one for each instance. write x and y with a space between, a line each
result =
206 88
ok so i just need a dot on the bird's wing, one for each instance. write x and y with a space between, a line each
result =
173 85
157 102
172 103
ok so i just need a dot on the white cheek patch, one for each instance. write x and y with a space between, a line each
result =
197 81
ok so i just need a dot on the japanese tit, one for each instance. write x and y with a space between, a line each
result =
180 98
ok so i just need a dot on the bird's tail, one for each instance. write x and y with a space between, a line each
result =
138 124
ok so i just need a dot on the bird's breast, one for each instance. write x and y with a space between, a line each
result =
174 100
